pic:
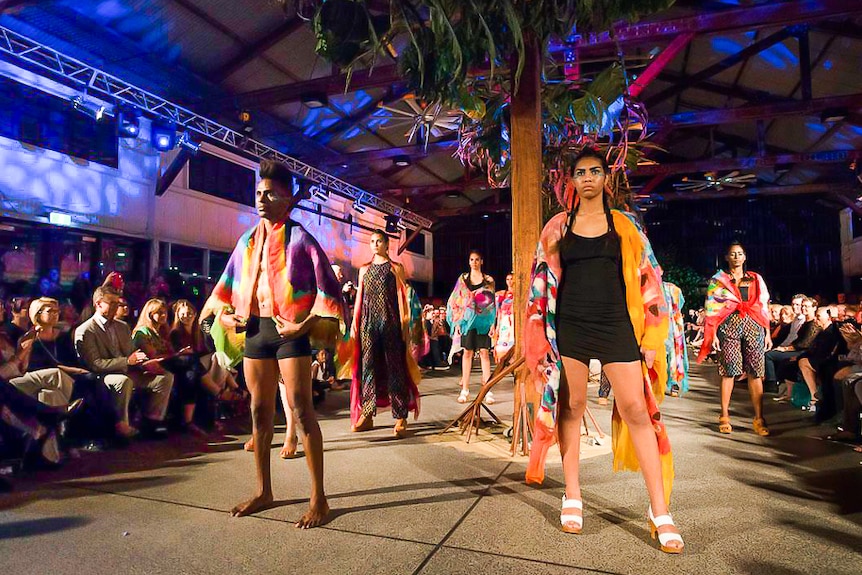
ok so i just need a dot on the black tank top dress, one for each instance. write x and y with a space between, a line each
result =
592 318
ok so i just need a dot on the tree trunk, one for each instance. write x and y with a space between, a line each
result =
526 144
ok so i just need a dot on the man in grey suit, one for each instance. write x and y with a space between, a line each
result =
105 347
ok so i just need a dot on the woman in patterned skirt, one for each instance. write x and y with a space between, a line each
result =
737 311
384 370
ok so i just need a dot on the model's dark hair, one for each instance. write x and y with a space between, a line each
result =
477 252
588 152
734 244
277 172
382 234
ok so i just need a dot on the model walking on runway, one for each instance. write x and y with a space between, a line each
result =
596 293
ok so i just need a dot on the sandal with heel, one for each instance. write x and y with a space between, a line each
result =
570 522
759 426
664 538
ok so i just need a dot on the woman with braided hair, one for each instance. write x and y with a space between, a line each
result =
596 292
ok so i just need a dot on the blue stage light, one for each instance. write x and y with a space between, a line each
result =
163 136
128 123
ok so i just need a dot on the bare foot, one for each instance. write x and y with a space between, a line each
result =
288 450
253 505
249 445
314 517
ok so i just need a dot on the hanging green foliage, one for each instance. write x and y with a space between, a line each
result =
469 55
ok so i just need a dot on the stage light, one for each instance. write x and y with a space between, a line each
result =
163 136
401 224
401 161
358 207
319 194
91 109
186 142
831 115
128 123
392 224
315 99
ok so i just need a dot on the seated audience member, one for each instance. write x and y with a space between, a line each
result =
321 377
694 328
785 319
18 322
105 347
781 361
444 336
798 320
42 369
152 337
813 361
29 428
196 367
123 311
849 379
774 316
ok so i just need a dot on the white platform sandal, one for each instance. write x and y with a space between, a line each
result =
664 538
567 519
464 395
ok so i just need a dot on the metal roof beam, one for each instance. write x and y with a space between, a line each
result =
756 112
749 163
335 84
413 152
747 18
252 51
720 66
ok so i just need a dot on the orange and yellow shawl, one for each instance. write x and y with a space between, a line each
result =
301 280
648 312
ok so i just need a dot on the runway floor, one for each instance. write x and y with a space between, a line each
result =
787 504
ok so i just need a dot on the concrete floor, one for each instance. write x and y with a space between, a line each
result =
790 503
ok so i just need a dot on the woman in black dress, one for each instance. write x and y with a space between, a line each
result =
608 305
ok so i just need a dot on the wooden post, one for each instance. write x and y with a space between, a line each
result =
526 118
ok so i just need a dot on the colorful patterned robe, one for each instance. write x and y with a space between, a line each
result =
677 356
413 340
649 316
723 298
468 309
301 280
505 333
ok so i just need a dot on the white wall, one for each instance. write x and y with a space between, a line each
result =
34 182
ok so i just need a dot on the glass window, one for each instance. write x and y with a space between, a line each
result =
187 260
221 178
75 259
20 254
218 262
417 245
